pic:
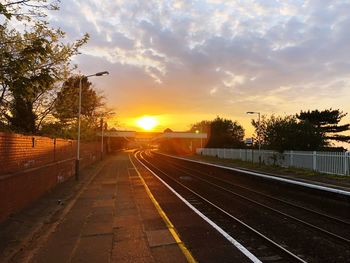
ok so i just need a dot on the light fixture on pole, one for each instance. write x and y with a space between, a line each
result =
77 161
102 129
201 136
258 133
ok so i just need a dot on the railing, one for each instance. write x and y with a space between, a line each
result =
337 163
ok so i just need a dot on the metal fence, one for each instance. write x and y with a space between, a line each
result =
337 163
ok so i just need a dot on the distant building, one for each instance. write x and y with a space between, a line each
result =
169 141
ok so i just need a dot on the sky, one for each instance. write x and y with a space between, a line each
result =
186 61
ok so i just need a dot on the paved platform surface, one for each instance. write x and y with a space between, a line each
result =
110 219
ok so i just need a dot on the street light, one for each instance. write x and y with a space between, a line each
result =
259 143
102 129
77 161
201 136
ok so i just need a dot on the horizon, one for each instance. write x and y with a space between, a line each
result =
186 61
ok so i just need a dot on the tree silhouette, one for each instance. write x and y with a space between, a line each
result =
222 133
30 69
66 104
65 110
326 123
287 133
307 131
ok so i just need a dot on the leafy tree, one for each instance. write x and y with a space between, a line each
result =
66 104
55 130
26 9
307 131
7 37
32 62
65 110
203 126
223 133
287 133
326 123
32 67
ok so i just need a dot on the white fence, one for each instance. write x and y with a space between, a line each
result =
325 162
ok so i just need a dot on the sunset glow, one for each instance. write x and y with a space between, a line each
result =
186 61
147 122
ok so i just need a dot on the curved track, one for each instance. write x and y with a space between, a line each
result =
303 212
273 229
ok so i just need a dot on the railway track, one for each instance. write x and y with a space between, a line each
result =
326 221
268 226
261 246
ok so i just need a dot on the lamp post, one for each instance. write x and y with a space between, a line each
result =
198 132
102 129
202 135
259 142
77 161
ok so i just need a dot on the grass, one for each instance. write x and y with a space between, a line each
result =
278 170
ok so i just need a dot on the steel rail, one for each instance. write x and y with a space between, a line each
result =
326 232
331 218
265 238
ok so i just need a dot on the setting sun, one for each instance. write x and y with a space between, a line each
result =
147 122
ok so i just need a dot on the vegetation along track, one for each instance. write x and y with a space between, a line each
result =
315 236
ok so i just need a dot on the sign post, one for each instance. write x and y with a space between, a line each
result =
249 142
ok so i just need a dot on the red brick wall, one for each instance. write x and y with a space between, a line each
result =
32 165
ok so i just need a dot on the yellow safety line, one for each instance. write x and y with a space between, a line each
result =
165 218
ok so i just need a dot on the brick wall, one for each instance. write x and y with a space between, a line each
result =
32 165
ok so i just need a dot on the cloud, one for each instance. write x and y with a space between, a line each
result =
190 56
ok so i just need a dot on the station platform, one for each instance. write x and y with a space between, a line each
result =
110 218
117 212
